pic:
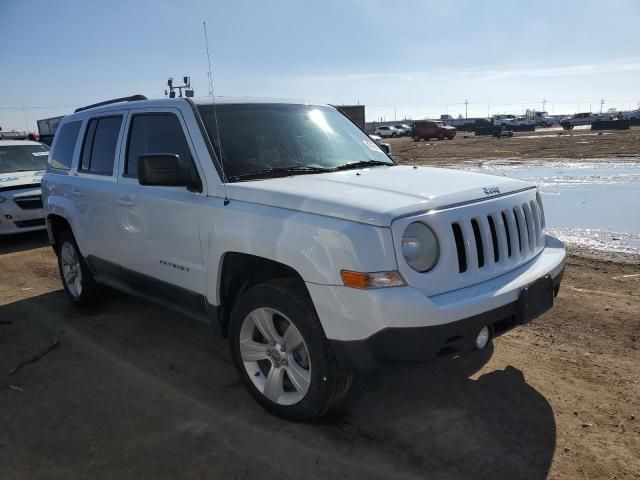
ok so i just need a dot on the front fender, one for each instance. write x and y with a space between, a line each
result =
315 246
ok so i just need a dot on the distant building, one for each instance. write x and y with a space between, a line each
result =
354 112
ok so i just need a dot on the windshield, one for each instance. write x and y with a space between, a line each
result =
296 138
23 158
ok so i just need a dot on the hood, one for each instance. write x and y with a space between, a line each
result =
374 196
17 179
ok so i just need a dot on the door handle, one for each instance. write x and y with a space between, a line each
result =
125 201
76 193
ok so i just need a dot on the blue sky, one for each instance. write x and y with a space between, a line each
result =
414 58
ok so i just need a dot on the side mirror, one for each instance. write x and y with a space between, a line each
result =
163 169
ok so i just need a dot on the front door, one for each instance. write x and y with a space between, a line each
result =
158 226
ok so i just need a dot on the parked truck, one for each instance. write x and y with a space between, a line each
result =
47 128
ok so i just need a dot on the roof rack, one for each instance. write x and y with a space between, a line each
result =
132 98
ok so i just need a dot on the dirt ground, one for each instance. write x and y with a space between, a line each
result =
131 391
555 143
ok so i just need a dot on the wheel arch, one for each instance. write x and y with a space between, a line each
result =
239 272
61 211
56 224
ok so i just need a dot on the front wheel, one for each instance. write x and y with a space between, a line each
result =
282 355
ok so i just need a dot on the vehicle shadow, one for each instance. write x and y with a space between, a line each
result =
438 419
133 382
21 242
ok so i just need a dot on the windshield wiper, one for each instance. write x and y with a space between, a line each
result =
278 172
360 164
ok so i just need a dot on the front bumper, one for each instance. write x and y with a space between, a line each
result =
13 219
403 324
422 344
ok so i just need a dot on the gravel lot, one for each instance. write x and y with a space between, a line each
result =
132 391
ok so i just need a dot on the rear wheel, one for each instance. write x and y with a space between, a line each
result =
282 355
76 277
394 135
440 136
416 138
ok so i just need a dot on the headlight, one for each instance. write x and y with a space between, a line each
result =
420 247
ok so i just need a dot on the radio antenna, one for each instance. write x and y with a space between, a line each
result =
215 117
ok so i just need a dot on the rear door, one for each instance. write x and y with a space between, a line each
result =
93 193
158 226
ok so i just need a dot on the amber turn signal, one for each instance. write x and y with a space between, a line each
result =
371 280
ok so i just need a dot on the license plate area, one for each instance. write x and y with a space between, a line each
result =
535 299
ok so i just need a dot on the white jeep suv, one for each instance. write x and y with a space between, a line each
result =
294 235
22 164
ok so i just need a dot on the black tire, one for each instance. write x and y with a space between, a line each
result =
90 290
329 382
440 136
416 138
394 135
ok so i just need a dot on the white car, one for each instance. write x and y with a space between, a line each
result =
22 164
386 131
405 129
293 234
524 121
545 121
504 120
385 146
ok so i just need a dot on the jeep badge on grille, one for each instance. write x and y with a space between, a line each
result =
491 190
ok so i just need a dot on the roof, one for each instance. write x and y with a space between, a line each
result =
166 102
13 143
231 100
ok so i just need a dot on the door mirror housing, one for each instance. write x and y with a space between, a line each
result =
165 169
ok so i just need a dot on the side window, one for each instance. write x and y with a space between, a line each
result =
155 133
99 147
62 155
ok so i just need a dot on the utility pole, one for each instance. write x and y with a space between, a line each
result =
395 111
601 104
544 104
466 104
26 120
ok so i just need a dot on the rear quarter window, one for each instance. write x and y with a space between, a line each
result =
66 138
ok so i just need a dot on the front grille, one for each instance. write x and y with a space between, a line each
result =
511 234
31 202
36 222
20 187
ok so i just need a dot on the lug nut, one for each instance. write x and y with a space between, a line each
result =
284 362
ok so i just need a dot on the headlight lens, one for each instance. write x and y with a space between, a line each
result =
420 247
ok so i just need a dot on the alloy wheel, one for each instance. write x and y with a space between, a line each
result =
71 269
275 356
